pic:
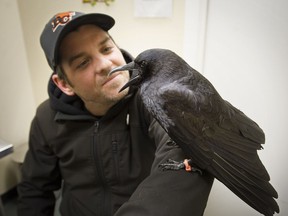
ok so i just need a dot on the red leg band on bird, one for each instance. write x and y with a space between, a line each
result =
188 168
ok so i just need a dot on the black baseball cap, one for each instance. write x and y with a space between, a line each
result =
63 23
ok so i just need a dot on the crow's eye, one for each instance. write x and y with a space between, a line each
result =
143 64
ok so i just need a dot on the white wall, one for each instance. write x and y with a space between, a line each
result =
245 57
17 99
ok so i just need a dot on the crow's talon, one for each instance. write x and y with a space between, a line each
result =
194 169
175 165
171 143
172 165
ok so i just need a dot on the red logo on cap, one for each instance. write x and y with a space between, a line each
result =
61 19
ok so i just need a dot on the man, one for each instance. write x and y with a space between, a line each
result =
99 146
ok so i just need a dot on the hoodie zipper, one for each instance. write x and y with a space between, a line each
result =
105 207
115 156
96 127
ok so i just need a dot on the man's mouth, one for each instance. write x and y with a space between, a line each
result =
109 78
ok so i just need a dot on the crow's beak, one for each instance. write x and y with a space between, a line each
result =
131 67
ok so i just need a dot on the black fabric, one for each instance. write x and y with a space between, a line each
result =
64 103
158 195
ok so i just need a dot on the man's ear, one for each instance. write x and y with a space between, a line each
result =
63 85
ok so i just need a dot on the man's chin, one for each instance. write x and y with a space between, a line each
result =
115 94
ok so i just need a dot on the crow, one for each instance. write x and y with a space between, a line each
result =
214 135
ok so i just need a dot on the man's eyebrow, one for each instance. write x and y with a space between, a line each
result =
73 58
105 40
79 55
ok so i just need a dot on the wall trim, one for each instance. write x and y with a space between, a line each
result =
195 29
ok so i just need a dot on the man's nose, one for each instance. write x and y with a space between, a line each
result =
103 65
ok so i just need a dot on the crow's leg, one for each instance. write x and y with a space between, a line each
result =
172 165
176 165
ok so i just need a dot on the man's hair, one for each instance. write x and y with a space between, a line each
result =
60 72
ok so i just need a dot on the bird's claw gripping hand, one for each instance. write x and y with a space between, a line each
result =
176 165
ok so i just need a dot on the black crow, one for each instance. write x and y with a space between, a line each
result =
215 136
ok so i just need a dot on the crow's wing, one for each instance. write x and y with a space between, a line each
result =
219 138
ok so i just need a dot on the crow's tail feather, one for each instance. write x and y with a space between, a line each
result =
257 193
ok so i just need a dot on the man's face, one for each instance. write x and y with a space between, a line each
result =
87 56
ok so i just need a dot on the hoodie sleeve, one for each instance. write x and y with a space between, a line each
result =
40 177
168 193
